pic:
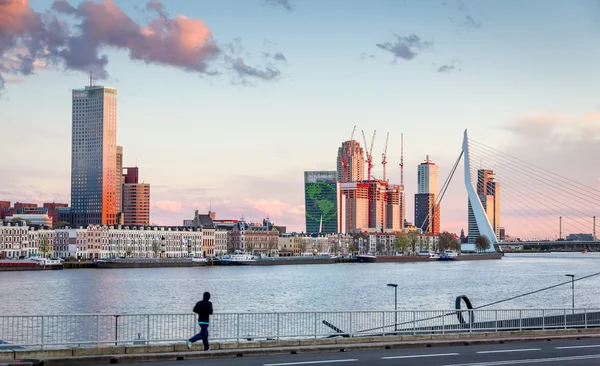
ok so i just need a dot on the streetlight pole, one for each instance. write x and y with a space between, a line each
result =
395 286
572 291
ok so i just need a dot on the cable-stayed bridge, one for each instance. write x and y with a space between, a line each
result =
511 200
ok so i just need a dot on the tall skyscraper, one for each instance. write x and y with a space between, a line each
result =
428 178
136 199
321 201
395 207
350 162
424 210
488 191
119 181
427 212
94 156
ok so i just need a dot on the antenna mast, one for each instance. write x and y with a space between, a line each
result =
91 79
402 159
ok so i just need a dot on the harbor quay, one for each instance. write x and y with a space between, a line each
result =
261 244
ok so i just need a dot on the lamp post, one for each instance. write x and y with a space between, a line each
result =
572 291
395 286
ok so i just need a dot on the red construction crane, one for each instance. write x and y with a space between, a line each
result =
346 154
402 160
384 156
369 151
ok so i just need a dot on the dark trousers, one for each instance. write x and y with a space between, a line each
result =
202 335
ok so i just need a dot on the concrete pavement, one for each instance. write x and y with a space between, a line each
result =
560 352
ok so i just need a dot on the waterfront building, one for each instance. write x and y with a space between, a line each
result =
350 162
289 245
321 201
427 212
355 206
136 199
94 156
220 242
14 241
70 243
254 239
206 225
488 192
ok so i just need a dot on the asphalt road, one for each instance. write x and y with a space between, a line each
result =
558 353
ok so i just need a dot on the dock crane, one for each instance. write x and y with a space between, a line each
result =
369 151
384 156
347 154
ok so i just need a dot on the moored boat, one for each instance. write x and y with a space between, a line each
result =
366 258
30 264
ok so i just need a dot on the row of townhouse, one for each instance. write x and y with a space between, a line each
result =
383 243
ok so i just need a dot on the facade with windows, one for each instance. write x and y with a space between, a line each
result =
321 201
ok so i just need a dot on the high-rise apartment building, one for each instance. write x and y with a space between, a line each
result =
428 178
350 162
377 204
488 191
395 207
119 182
136 200
427 212
321 201
424 210
354 206
94 156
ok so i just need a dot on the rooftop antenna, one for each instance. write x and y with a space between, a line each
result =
91 79
402 159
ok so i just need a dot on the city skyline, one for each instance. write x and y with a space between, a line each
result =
168 118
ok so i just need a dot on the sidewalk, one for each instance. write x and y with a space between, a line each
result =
148 353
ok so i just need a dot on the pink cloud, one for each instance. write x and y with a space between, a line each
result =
170 206
591 117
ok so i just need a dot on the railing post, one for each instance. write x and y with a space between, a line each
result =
543 319
383 322
414 323
42 342
315 318
350 331
148 329
496 315
585 317
97 330
277 326
238 328
443 323
565 318
521 320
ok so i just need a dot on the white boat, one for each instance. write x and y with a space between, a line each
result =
427 253
199 260
238 259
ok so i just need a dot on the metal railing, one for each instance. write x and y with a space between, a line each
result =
110 329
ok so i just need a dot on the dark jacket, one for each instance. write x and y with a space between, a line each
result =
204 308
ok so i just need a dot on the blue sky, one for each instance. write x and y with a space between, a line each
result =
243 142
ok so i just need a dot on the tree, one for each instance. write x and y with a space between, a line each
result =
413 240
128 251
447 241
380 247
482 243
351 248
249 248
155 247
60 225
43 246
401 242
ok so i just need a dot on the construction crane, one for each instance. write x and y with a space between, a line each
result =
346 154
369 151
384 156
402 160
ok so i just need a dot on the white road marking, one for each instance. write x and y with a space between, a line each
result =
534 360
572 347
417 356
310 362
511 350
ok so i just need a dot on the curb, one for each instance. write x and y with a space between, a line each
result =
265 351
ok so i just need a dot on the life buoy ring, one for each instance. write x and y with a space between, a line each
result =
459 299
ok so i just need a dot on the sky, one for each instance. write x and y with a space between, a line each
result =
224 104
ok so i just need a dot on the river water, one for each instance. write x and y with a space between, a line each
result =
334 287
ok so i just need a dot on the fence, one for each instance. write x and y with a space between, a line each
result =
106 329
